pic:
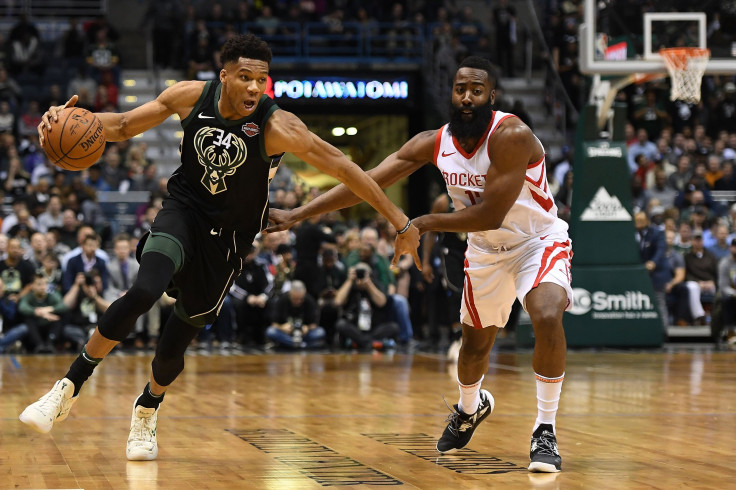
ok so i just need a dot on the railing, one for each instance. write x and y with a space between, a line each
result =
559 102
120 208
310 40
49 8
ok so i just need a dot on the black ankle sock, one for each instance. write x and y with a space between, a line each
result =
81 369
148 399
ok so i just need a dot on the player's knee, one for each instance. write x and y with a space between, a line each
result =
142 296
473 352
546 320
166 366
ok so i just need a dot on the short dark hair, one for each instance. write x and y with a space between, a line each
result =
245 46
480 64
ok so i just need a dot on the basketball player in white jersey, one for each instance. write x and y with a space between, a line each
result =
495 171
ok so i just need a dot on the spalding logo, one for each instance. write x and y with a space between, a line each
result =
86 144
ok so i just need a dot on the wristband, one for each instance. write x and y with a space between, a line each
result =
406 228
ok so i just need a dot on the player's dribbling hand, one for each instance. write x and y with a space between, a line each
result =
281 220
407 243
51 116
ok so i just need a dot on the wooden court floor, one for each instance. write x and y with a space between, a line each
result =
291 421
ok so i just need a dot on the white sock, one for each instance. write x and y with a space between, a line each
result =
548 398
469 396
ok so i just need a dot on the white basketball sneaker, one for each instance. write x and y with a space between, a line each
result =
142 445
53 406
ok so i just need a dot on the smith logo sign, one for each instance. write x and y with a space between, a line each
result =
627 305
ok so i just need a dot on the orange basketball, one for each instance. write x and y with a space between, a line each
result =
76 140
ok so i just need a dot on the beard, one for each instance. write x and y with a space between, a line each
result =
474 128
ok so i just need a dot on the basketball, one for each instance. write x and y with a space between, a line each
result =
76 140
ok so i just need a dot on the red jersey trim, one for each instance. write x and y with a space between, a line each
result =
548 263
481 140
469 302
437 141
532 165
488 148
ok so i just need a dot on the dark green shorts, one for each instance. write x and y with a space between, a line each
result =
207 260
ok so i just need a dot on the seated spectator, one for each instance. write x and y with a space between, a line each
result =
720 248
102 56
86 302
69 234
54 245
661 189
642 146
727 290
112 170
30 119
10 91
85 262
250 298
52 216
10 332
328 279
284 270
727 182
18 182
94 179
38 250
294 322
25 52
650 117
16 273
310 236
82 82
122 267
7 118
41 312
701 276
398 304
81 235
679 179
675 290
51 268
23 229
713 171
365 317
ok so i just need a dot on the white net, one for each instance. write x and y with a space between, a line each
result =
686 67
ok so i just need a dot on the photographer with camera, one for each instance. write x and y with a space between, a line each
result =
85 262
330 275
365 319
295 320
86 304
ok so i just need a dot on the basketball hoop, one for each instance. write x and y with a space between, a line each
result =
686 67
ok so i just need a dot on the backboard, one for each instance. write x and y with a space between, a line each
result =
618 38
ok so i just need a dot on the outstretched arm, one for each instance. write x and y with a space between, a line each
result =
511 150
287 133
400 164
180 98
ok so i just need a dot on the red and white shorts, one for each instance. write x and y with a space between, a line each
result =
494 279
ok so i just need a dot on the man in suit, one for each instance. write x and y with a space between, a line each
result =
653 250
123 269
85 262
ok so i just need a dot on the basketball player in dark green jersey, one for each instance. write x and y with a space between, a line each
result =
234 137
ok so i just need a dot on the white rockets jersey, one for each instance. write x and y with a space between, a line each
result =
533 214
